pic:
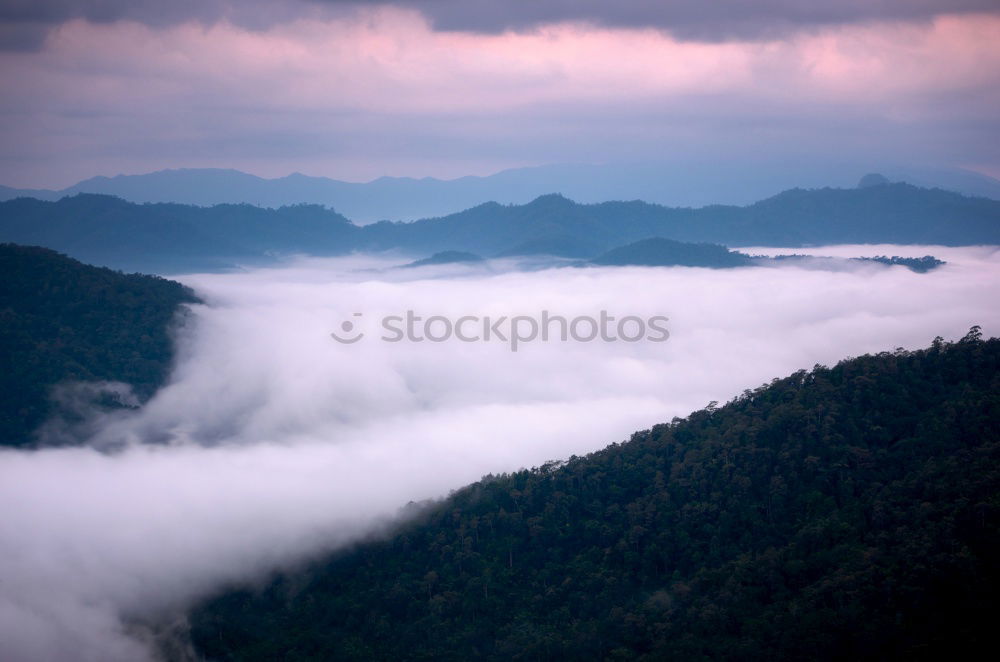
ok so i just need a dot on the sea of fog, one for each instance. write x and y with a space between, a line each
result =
273 442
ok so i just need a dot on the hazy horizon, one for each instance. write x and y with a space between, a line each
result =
842 178
358 90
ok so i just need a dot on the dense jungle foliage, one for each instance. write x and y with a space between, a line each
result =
850 512
62 321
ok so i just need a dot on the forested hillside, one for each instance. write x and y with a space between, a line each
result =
63 321
850 512
658 252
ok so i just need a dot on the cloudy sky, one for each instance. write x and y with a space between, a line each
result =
358 89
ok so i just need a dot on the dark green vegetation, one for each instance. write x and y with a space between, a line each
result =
918 264
171 237
63 321
446 257
850 512
658 252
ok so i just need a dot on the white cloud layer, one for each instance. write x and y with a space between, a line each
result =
280 444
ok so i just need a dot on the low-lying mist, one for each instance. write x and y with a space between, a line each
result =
273 442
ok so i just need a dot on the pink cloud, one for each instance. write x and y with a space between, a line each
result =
176 82
392 61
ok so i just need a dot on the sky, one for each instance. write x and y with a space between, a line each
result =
276 443
445 88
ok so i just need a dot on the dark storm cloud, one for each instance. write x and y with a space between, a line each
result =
151 12
24 23
717 20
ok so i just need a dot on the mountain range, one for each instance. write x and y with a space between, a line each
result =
170 237
690 184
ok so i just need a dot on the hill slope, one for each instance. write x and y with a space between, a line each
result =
100 229
63 321
843 513
445 257
659 252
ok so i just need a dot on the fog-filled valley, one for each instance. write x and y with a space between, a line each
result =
271 442
499 330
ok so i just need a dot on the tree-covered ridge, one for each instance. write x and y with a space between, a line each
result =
63 321
918 264
895 213
659 252
446 257
174 238
840 513
171 238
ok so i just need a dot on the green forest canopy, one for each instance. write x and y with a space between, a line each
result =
850 512
63 321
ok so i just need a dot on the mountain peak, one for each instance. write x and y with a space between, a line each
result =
551 199
873 179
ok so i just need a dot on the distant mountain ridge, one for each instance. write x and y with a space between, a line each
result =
108 231
894 213
169 238
406 198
